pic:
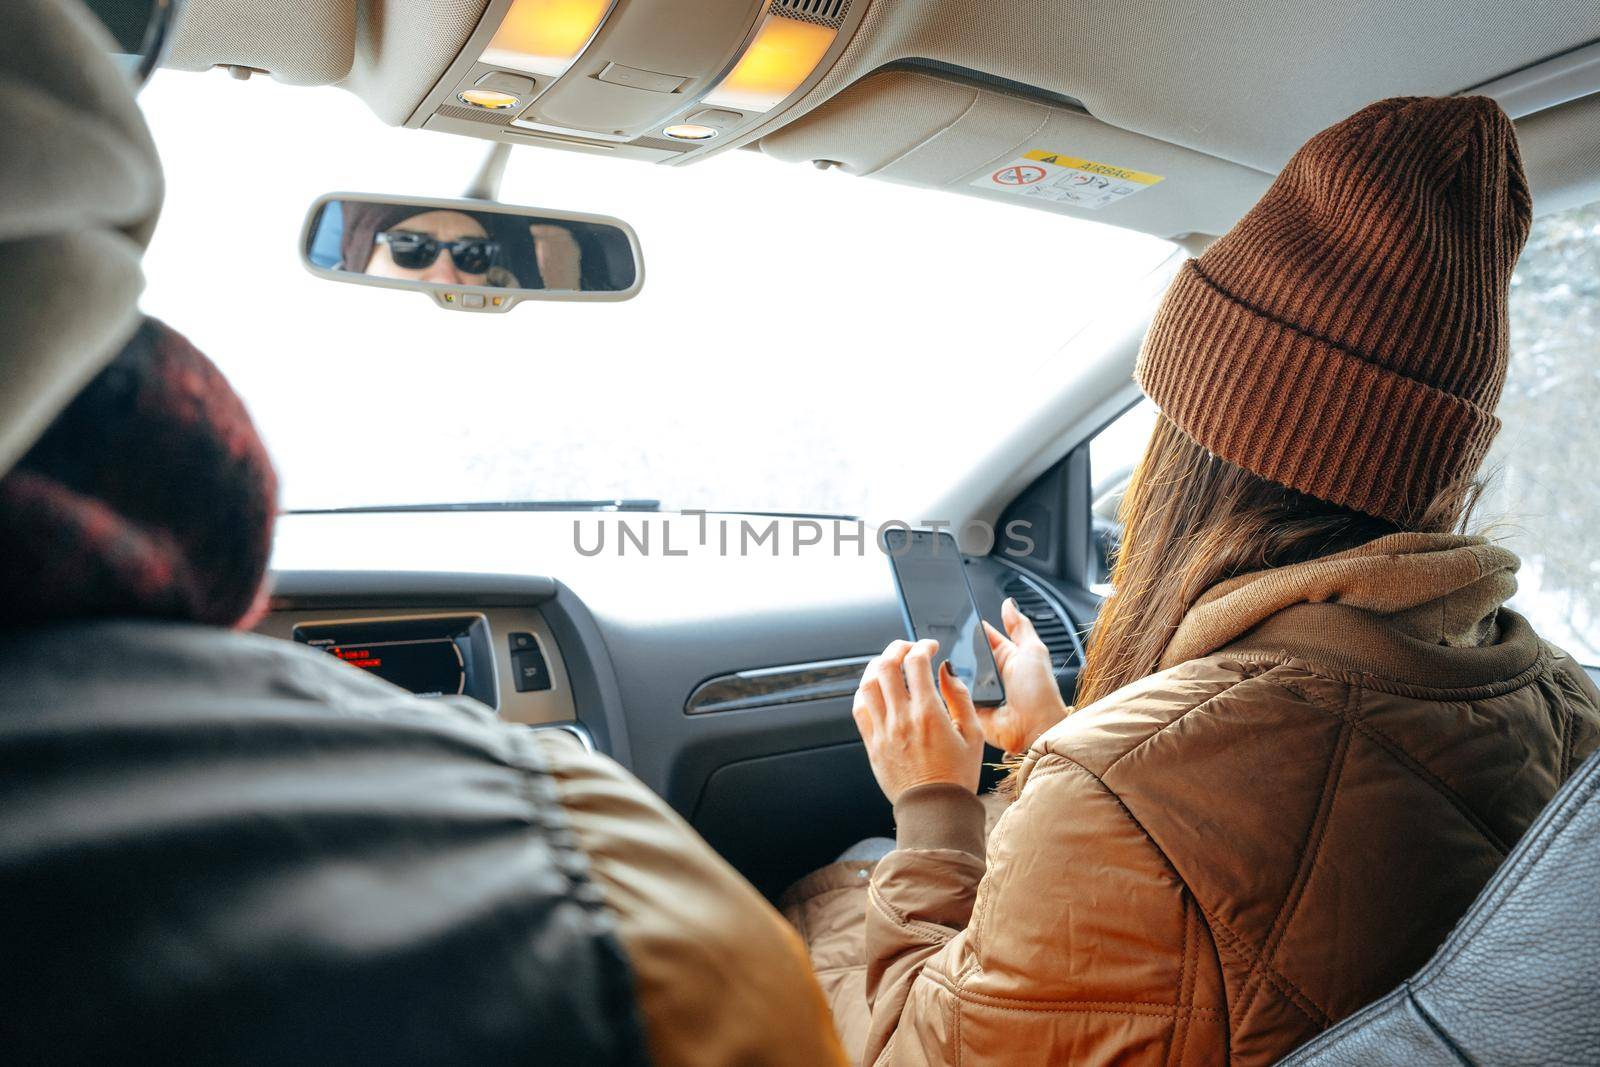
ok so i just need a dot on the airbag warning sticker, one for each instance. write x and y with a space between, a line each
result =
1065 179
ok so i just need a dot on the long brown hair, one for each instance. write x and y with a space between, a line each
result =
1190 520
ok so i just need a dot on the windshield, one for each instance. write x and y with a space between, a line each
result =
804 339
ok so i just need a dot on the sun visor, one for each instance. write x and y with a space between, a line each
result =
315 47
943 131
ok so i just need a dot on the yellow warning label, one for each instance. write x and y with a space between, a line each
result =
1093 167
1063 179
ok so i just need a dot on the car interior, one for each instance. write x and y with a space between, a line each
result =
715 676
714 651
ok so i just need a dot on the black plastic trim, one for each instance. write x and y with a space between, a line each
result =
1077 520
986 80
596 696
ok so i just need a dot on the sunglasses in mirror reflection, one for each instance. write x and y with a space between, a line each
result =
456 246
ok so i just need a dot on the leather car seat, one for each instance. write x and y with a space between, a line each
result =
1518 979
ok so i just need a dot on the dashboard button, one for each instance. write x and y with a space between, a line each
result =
529 672
520 641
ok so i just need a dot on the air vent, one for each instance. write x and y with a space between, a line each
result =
1053 629
829 13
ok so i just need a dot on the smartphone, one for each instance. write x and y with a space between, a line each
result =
936 602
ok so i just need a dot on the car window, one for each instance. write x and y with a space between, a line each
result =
1542 497
1112 455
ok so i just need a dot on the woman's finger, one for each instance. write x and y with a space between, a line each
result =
919 680
997 640
1000 646
959 700
892 682
868 707
1018 625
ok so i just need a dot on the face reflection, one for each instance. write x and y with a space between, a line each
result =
442 225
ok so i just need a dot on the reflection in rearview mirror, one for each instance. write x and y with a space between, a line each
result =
471 255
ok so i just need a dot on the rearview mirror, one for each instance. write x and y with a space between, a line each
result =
471 255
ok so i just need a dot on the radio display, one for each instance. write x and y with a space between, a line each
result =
431 657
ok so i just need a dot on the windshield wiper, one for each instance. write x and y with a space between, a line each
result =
756 513
493 505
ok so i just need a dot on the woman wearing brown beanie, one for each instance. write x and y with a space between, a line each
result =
1308 730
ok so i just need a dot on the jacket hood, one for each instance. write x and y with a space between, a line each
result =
80 187
1441 589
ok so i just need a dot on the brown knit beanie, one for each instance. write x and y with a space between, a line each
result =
1347 338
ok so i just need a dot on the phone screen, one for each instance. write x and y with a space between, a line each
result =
937 603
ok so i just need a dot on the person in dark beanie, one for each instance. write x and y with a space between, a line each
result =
1308 729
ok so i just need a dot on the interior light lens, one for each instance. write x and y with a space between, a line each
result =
690 131
544 36
783 54
493 99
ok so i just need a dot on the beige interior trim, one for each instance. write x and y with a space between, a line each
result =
1556 81
1561 152
1235 80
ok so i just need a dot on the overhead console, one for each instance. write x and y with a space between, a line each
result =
657 80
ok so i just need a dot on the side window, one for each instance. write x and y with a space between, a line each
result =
1542 498
1112 455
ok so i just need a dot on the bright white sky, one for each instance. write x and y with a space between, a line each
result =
802 337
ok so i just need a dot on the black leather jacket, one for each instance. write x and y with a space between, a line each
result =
221 848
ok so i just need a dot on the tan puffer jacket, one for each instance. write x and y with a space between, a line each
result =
1214 864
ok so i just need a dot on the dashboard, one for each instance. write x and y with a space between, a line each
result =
720 675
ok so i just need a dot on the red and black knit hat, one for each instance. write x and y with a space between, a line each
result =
1347 338
149 495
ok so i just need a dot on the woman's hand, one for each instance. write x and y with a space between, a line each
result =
1033 702
917 732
